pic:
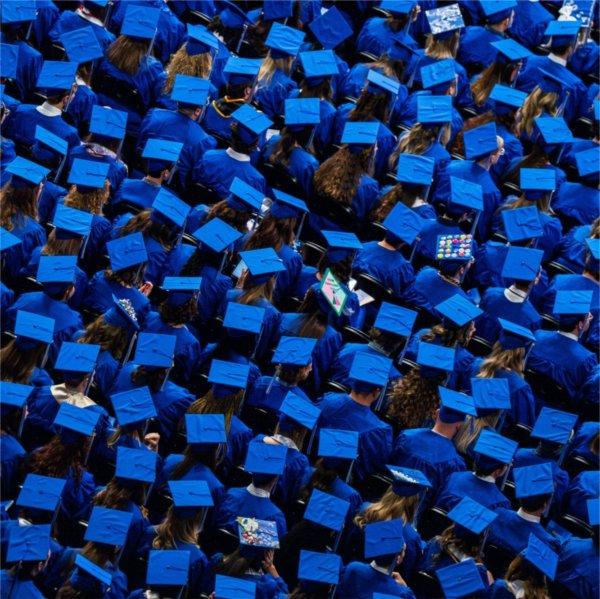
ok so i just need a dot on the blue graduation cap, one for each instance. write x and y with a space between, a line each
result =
539 555
507 96
263 458
318 65
532 481
108 526
191 91
430 355
277 9
323 568
133 406
294 351
522 223
395 319
522 263
88 174
457 247
137 465
514 336
407 482
56 77
168 567
471 517
89 576
283 40
415 169
161 154
571 306
232 16
493 450
397 7
14 395
461 580
229 587
200 40
41 492
438 75
360 133
593 246
140 21
444 20
240 70
251 122
244 317
458 310
480 141
259 534
181 289
190 496
300 410
562 32
384 538
593 510
169 210
490 394
29 543
74 422
81 45
77 357
26 173
596 107
70 222
369 371
403 224
497 10
18 11
302 112
337 443
9 55
588 162
466 193
326 510
454 406
551 84
535 182
377 82
554 426
125 252
7 240
34 326
262 264
217 235
434 110
205 429
287 206
244 197
554 130
331 28
155 350
108 122
228 377
511 51
340 245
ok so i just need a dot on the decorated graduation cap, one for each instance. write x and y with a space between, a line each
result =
217 236
161 154
41 492
181 289
227 377
572 306
438 76
340 245
169 210
377 83
319 65
554 426
154 350
331 28
286 205
81 45
283 40
434 359
326 510
56 77
231 587
369 371
73 423
76 359
470 518
434 110
32 329
122 314
497 10
294 351
297 409
301 112
13 396
244 317
244 197
481 141
457 311
522 263
536 182
493 450
588 163
168 568
317 567
402 224
490 395
384 538
89 577
507 99
553 130
460 580
108 526
533 481
70 223
464 195
18 12
251 122
88 175
522 223
563 32
126 252
30 543
135 465
25 173
539 555
397 7
140 21
190 496
455 406
108 122
415 169
205 429
444 20
256 536
238 70
514 336
262 264
453 251
338 443
407 482
134 406
394 319
190 91
264 458
510 51
200 40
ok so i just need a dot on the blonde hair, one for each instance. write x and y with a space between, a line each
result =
469 430
536 103
182 63
270 65
439 48
502 359
389 507
209 404
173 530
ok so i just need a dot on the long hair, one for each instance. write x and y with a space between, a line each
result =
209 404
288 141
442 48
270 65
179 315
61 247
90 201
110 338
542 204
127 53
337 179
389 507
495 73
253 293
507 119
236 564
313 322
469 545
417 141
143 223
342 270
181 63
396 195
174 529
321 90
449 337
272 232
57 458
396 22
502 359
17 203
235 218
534 582
536 103
18 364
537 158
207 455
117 497
370 106
153 378
413 400
469 430
127 277
322 479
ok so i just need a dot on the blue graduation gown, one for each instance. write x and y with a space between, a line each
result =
47 15
286 280
31 234
12 455
80 107
513 150
214 287
581 442
582 488
71 21
466 484
217 122
29 65
339 411
376 37
360 581
341 367
13 587
271 398
50 196
576 201
138 192
529 24
7 297
238 438
271 96
432 289
267 586
476 52
578 567
585 59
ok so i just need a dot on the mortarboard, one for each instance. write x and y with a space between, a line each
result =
240 70
454 406
407 482
554 426
458 311
140 21
256 536
244 317
262 264
181 289
168 567
397 7
138 465
7 240
41 492
55 143
244 197
539 555
497 10
522 223
77 357
125 252
434 110
466 194
34 327
507 96
494 450
88 174
360 133
415 169
596 107
319 64
437 357
190 496
340 245
457 247
395 319
200 40
56 77
205 429
294 351
588 162
251 122
522 263
471 517
461 580
511 51
490 394
169 210
29 543
319 567
81 45
593 246
403 224
74 422
192 91
514 336
369 371
300 410
229 587
283 40
445 20
287 206
133 406
438 75
554 130
71 223
331 28
263 458
593 511
535 182
217 235
89 577
228 377
9 55
18 11
302 112
26 173
571 306
161 154
108 526
155 350
326 510
232 16
384 538
481 141
532 481
562 32
14 395
378 82
551 84
337 443
277 9
108 122
122 314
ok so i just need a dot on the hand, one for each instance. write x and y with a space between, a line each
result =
146 288
151 440
268 565
396 576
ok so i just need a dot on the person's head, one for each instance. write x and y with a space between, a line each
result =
60 456
117 494
500 20
290 138
500 359
270 65
440 47
389 507
238 91
536 505
448 426
19 362
127 53
217 402
538 103
576 325
242 143
183 63
175 529
90 200
497 72
178 313
272 232
16 202
534 582
455 269
413 400
109 337
456 538
143 222
369 106
472 427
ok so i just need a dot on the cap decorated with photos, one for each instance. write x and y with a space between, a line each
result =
444 21
407 482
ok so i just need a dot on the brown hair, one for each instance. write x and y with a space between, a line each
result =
272 232
90 201
534 582
495 73
469 430
537 158
270 65
449 337
174 529
438 48
543 204
413 400
18 364
116 496
396 195
57 458
209 404
369 106
128 277
252 293
536 103
143 223
152 377
127 53
417 141
235 218
108 337
389 507
502 359
321 90
17 202
181 63
288 141
179 315
342 270
469 545
61 247
208 456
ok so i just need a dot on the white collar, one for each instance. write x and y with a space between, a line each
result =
48 110
569 335
518 588
487 479
237 155
88 17
557 59
257 492
514 295
282 440
62 394
374 565
418 202
528 517
80 81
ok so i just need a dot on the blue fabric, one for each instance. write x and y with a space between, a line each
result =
271 96
343 362
71 21
578 567
12 455
29 65
476 51
466 484
582 488
360 581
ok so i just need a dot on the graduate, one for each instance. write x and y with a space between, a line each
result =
584 442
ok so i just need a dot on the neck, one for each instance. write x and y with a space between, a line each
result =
444 430
484 163
498 28
153 180
386 246
361 399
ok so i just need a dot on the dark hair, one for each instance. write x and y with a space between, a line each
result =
143 223
179 315
19 364
57 458
287 142
342 270
272 232
152 377
370 106
238 144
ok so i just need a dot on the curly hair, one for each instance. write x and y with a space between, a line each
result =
389 507
272 232
17 203
19 364
413 400
396 195
90 201
181 63
143 223
127 53
57 458
179 315
536 103
110 338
